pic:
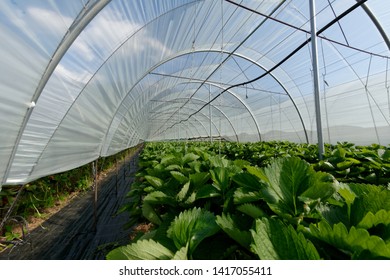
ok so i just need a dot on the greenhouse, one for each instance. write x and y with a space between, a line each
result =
83 80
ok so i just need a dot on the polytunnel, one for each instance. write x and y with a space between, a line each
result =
84 79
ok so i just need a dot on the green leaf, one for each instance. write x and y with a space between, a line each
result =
183 192
326 166
173 167
195 166
248 181
320 186
251 210
334 213
158 197
181 254
275 241
346 193
154 181
229 225
191 227
149 213
189 157
290 182
199 179
369 199
355 241
371 220
168 160
149 189
362 189
257 172
340 153
190 199
244 195
217 161
180 177
344 165
241 163
221 179
207 191
142 250
386 155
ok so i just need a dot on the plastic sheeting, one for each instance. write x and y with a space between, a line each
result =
86 79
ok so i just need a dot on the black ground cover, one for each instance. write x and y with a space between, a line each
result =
71 233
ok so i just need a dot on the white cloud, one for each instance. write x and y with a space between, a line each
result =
67 74
49 19
103 35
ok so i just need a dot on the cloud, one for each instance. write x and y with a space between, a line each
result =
110 29
102 36
49 20
79 76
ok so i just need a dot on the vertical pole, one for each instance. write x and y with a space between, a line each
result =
124 168
316 79
178 134
116 174
11 208
128 153
95 187
211 136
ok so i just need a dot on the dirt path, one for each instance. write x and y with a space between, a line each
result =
71 234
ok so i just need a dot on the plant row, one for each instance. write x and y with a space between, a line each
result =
45 192
201 205
346 161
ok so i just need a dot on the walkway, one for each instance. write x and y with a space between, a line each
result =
70 234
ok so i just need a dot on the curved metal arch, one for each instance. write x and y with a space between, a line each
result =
201 123
153 95
235 96
79 24
205 50
196 127
193 125
192 132
243 102
377 24
198 99
81 21
135 125
230 53
215 107
238 54
240 100
207 117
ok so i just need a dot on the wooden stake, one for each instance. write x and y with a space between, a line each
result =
95 197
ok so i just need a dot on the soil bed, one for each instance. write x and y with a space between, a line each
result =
71 233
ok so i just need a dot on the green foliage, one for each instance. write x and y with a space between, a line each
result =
45 192
291 184
356 242
231 226
275 241
141 250
191 227
269 200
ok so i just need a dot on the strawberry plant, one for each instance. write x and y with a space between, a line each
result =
199 201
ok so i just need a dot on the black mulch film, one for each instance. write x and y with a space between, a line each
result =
71 233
